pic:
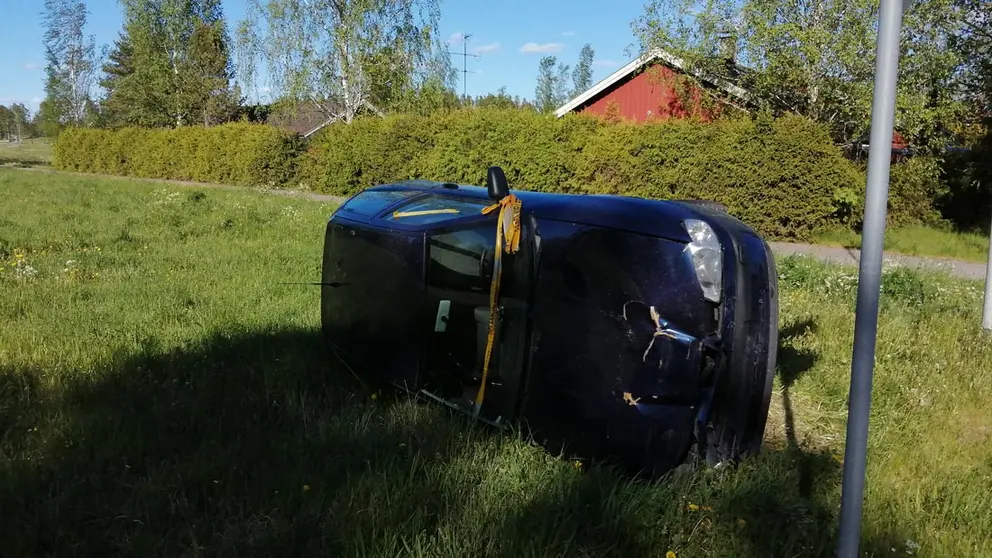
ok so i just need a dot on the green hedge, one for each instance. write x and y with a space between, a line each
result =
782 176
914 187
237 153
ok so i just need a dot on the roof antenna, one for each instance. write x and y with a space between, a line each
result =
464 54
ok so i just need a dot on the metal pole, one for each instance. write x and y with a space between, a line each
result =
464 56
869 276
987 312
465 66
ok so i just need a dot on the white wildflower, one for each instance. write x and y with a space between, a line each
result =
24 271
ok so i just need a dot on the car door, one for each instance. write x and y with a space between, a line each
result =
460 256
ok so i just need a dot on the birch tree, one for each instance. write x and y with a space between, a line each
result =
582 74
552 84
343 57
71 60
21 119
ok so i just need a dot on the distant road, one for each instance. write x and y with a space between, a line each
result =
852 256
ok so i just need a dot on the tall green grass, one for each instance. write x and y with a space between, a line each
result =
162 393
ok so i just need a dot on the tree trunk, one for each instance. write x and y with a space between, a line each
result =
345 68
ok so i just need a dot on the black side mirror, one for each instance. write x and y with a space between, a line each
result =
496 184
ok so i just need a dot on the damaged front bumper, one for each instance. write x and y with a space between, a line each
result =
634 365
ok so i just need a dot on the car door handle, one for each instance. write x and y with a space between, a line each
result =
441 321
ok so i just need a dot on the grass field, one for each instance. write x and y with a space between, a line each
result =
917 241
162 394
29 152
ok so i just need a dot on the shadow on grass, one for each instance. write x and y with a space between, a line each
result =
256 443
22 163
242 443
784 502
791 511
792 365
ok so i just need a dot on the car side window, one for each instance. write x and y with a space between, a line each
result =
462 260
370 202
435 209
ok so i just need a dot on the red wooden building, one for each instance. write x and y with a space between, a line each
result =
648 88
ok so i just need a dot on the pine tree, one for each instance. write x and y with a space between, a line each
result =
171 65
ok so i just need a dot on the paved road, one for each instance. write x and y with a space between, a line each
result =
852 256
831 254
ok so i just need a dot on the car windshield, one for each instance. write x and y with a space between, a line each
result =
435 209
370 202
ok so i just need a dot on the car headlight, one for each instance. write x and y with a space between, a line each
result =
707 257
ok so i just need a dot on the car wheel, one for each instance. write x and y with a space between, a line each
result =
736 428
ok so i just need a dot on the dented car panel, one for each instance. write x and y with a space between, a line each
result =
615 333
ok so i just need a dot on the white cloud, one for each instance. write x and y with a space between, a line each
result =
36 100
606 63
530 48
264 90
486 49
568 33
456 38
31 66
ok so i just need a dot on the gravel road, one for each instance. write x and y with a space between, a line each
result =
852 256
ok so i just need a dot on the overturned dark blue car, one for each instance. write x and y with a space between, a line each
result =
626 329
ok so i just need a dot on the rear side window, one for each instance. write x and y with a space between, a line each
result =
370 202
435 209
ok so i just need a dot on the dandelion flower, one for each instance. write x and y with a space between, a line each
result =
693 507
670 554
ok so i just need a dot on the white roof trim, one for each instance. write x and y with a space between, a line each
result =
633 65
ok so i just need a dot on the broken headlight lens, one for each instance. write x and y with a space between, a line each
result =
707 258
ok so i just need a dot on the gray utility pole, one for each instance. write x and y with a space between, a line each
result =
870 275
464 54
987 312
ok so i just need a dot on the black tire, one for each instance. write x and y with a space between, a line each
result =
737 426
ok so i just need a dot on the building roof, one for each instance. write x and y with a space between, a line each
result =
305 119
639 62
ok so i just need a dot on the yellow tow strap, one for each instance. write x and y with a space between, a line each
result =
399 214
507 239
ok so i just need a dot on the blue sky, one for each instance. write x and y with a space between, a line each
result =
510 36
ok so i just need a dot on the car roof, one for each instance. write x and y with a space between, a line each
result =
645 216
